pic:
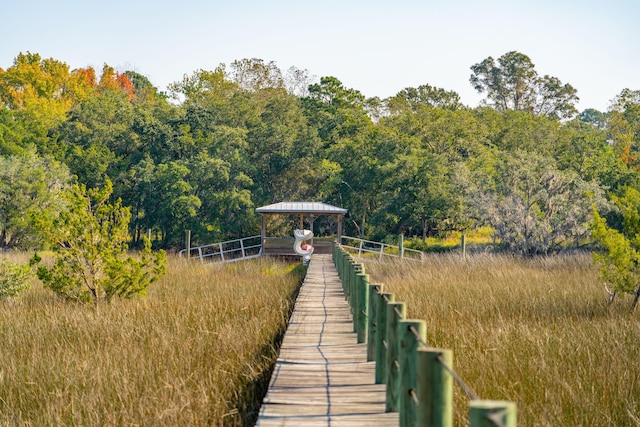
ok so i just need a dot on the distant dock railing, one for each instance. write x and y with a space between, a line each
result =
363 247
419 378
229 251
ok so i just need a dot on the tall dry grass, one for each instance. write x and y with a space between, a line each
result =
533 331
196 351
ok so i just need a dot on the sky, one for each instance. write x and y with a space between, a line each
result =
376 47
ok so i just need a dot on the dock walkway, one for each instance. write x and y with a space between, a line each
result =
322 377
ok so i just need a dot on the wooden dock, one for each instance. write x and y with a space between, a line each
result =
322 377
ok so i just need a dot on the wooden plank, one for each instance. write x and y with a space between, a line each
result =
287 410
322 376
381 420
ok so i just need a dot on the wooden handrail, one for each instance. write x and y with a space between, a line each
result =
419 378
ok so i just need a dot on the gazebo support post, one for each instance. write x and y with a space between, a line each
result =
263 233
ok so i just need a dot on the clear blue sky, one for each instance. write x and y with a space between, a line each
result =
376 47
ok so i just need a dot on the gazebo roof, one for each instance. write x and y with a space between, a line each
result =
316 208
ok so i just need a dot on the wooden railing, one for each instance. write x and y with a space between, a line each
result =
363 247
418 377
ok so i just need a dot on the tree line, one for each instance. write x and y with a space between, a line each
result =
206 152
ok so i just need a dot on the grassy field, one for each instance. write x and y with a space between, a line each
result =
196 351
537 332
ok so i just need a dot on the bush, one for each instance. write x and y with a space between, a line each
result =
91 251
13 278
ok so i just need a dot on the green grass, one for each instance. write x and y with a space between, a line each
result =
537 332
480 238
196 351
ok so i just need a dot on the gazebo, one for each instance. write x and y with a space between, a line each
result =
284 246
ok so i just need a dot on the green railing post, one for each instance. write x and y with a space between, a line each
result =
358 269
381 336
372 320
393 373
492 413
345 269
349 275
354 269
361 303
435 388
410 335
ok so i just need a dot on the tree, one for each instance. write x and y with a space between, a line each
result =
97 136
584 148
624 126
456 134
226 209
281 141
419 193
29 191
533 207
255 74
91 251
594 117
513 84
411 98
167 200
620 262
297 81
38 93
210 95
12 134
336 111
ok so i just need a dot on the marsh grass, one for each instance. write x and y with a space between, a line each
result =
196 351
533 331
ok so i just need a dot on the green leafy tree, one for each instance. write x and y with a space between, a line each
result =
518 130
280 142
167 200
98 136
624 126
29 190
620 262
350 144
419 193
210 99
513 84
91 263
336 111
594 117
412 98
12 133
585 149
455 134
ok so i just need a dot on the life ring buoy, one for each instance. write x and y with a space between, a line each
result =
304 250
